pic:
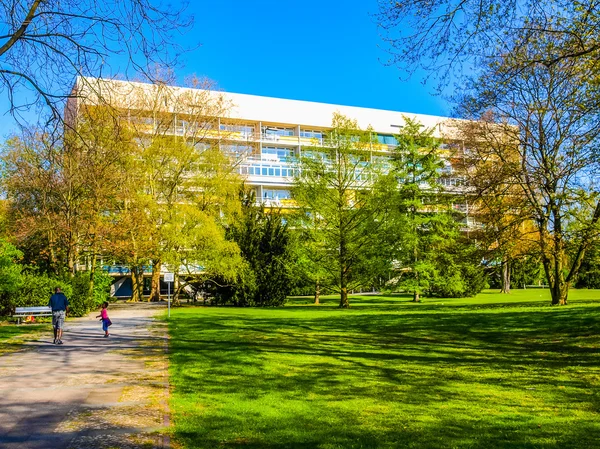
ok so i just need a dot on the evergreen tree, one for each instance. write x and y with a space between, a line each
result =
424 234
265 244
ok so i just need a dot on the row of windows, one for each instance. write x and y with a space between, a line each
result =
248 129
266 170
310 134
387 139
452 182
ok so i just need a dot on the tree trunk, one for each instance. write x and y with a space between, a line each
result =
71 261
92 275
559 287
137 283
343 273
559 290
53 258
416 295
505 275
317 292
344 297
176 289
155 285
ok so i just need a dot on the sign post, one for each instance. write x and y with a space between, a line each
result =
169 277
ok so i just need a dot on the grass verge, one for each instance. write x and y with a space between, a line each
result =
486 372
12 336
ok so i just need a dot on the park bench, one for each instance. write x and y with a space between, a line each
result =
535 286
24 312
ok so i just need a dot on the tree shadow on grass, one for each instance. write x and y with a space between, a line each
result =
498 379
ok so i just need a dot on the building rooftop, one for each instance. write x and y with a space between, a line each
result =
255 108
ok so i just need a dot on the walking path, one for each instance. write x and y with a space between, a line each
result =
91 392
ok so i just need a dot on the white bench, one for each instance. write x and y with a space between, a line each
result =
23 312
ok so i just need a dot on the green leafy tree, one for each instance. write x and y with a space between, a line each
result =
424 235
38 286
589 274
11 279
310 269
340 205
180 189
60 190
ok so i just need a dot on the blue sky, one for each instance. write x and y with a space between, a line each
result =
325 51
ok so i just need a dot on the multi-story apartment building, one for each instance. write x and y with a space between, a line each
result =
264 134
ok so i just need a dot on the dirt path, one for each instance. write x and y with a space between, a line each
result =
91 392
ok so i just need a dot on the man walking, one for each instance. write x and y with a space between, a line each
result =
60 306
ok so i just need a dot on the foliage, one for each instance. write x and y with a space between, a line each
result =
527 74
38 287
309 275
340 210
423 232
589 274
264 242
177 191
60 190
11 278
81 301
525 270
99 188
537 132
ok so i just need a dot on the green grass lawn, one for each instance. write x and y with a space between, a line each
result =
11 335
488 372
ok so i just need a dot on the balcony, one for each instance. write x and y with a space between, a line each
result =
284 203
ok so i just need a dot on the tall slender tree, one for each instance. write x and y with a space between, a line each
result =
335 191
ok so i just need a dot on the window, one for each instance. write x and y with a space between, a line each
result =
276 131
316 155
452 182
311 134
201 146
244 129
237 150
276 194
277 154
266 170
387 139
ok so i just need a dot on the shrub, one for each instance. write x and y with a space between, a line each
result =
81 301
11 279
37 289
